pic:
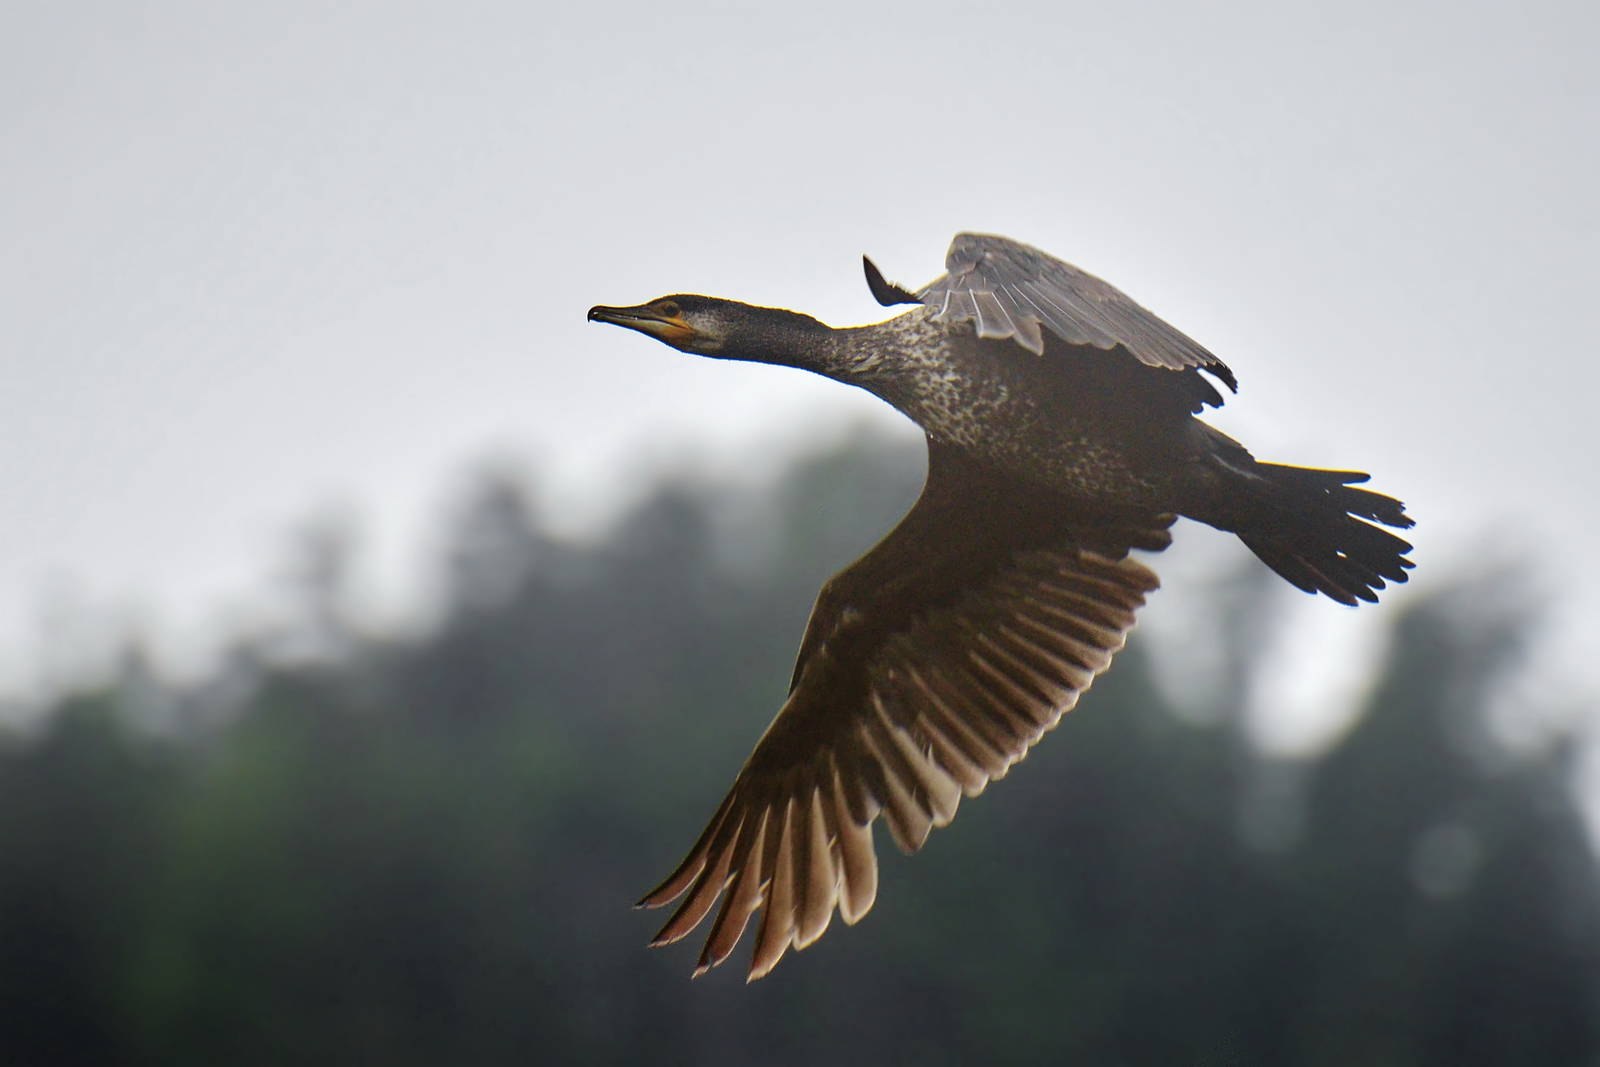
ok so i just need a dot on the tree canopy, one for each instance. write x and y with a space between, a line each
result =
423 850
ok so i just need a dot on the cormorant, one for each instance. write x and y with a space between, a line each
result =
1059 417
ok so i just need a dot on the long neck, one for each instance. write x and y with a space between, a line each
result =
897 360
772 335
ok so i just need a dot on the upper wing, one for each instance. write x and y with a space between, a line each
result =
928 668
1009 290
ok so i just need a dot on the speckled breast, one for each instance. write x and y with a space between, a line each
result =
1031 415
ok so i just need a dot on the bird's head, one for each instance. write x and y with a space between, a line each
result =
726 329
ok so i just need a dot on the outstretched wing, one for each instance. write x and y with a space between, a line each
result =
1011 290
928 668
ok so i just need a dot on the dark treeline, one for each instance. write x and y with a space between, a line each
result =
352 849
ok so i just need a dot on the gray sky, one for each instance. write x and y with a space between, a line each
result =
262 260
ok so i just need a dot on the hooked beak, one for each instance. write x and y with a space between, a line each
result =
647 319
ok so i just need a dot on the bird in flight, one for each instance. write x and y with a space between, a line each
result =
1061 432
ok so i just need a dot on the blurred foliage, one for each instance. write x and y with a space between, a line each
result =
423 852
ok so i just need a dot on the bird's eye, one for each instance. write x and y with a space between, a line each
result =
670 309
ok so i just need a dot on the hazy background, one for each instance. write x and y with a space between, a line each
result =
267 264
373 629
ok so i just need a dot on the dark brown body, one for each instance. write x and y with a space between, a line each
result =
1100 432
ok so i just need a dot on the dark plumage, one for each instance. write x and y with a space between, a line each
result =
1061 434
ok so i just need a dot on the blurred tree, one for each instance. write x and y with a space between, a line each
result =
84 815
423 851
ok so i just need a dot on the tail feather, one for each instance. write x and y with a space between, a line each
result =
1314 529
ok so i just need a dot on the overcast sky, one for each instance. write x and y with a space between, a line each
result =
261 261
